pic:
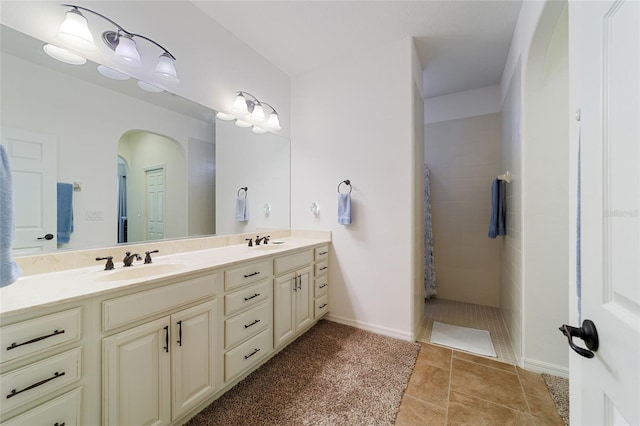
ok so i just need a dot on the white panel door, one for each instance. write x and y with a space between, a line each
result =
155 203
605 46
33 161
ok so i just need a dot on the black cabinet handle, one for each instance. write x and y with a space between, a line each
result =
323 285
179 333
295 283
166 338
252 353
322 253
59 424
322 306
251 274
37 339
299 282
323 268
251 297
252 324
35 385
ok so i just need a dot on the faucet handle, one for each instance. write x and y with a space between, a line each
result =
109 265
266 239
250 243
257 240
147 258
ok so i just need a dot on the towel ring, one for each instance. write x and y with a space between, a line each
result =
348 183
245 189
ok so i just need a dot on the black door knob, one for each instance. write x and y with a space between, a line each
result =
587 332
46 237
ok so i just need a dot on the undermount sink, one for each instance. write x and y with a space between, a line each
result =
140 271
268 247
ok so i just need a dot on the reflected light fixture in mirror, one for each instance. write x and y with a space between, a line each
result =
63 55
111 73
250 113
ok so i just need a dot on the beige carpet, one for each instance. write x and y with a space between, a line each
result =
559 389
332 375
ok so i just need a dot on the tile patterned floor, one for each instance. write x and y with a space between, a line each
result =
469 315
448 387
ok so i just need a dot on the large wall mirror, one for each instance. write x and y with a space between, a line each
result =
140 165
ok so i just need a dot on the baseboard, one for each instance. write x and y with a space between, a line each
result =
545 367
398 334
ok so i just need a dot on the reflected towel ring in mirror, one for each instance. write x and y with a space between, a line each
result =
348 183
245 189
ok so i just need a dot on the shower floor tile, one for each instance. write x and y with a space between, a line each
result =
469 315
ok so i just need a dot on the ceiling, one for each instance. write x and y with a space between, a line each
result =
462 45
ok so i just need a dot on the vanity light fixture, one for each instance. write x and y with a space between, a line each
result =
74 34
250 113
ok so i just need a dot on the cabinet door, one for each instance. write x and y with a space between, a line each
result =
136 376
193 359
283 308
304 301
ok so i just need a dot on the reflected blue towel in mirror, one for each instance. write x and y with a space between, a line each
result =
344 209
498 209
9 269
65 212
242 209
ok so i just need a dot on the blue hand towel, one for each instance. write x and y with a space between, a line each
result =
242 209
9 269
344 209
498 209
65 212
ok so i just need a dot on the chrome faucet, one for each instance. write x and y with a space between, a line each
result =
264 239
129 258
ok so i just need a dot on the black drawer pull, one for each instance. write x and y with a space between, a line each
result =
166 338
35 385
323 268
60 424
179 333
251 274
253 323
322 253
251 297
322 306
37 339
252 353
323 285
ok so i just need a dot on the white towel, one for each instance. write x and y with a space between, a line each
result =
9 269
344 209
242 209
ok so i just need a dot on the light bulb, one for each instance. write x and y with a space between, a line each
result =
74 32
240 105
126 51
272 122
166 68
257 115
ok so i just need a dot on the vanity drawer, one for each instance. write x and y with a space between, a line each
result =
321 268
245 298
321 285
321 306
64 410
247 354
39 334
293 261
26 384
242 326
321 253
126 309
246 274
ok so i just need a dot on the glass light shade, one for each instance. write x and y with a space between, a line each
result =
149 87
257 115
111 73
260 130
272 122
224 116
74 32
166 68
63 55
242 123
126 52
240 105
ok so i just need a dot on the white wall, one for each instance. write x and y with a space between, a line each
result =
353 119
463 156
469 103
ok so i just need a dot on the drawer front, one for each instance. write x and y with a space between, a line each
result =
322 268
26 384
247 324
321 306
64 410
123 310
246 274
293 261
245 298
39 334
321 253
321 285
247 354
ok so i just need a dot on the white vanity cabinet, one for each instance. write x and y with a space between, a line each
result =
321 281
155 372
40 358
293 297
